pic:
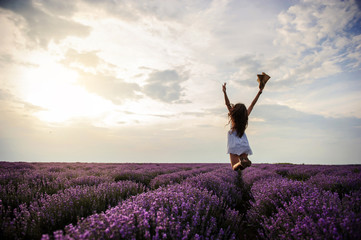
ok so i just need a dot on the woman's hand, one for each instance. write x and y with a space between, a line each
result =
224 87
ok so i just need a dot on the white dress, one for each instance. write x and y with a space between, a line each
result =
238 145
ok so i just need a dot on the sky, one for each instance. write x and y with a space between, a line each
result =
141 81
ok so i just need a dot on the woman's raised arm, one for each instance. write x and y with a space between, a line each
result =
228 104
249 110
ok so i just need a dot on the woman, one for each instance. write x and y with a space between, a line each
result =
237 144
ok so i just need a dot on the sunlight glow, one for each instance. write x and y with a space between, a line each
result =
53 87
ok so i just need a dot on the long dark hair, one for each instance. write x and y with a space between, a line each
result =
238 116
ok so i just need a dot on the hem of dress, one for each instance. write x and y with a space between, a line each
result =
251 153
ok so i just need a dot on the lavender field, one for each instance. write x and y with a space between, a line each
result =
179 201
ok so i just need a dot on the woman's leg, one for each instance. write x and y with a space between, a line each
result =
234 159
243 156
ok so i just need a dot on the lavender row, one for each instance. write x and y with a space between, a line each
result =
270 194
14 194
223 182
337 183
23 187
304 202
52 212
19 184
257 173
298 172
178 211
290 201
178 177
316 214
25 182
144 173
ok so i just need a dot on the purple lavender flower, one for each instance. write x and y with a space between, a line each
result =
175 212
52 212
179 201
315 214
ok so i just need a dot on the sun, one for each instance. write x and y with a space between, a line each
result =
54 88
64 100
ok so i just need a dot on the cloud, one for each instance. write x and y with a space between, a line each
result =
316 39
4 94
108 87
302 123
16 121
311 23
288 135
164 85
42 26
9 103
87 59
7 59
62 8
358 2
129 10
120 9
249 65
312 60
96 79
313 40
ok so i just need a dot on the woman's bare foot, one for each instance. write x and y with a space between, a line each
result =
246 163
